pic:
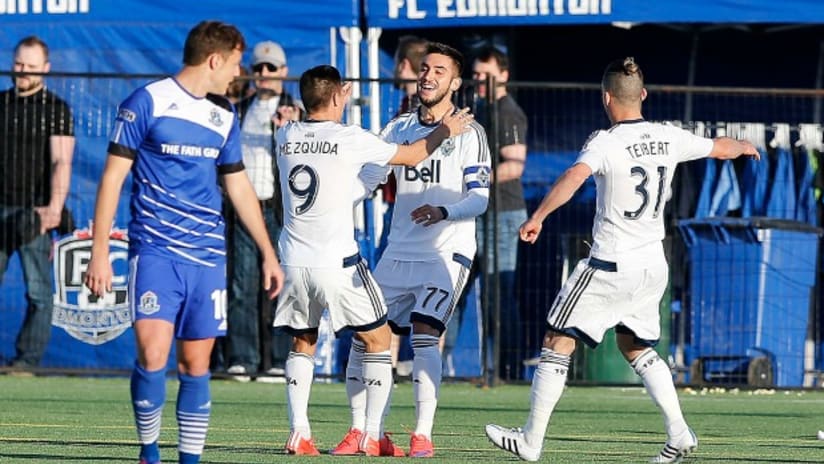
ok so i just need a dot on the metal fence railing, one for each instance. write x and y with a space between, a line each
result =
560 118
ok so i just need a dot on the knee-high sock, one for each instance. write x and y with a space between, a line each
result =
658 381
194 405
547 387
426 377
355 389
148 391
377 379
300 370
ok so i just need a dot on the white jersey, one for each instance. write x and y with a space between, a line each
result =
633 163
455 176
319 163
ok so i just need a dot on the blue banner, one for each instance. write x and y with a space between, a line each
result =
276 13
400 14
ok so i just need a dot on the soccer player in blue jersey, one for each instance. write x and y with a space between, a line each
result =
179 137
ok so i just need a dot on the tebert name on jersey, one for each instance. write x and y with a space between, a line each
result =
650 148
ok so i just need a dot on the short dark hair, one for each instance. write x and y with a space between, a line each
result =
623 80
443 49
412 48
317 86
33 41
209 37
489 53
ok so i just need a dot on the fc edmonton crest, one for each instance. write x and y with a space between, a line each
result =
448 146
86 317
214 117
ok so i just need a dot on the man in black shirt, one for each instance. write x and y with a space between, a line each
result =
36 149
507 196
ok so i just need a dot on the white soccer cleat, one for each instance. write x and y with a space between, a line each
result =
676 450
512 440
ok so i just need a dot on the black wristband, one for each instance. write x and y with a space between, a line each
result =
444 212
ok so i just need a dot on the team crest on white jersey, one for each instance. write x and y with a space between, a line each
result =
448 146
214 117
484 175
148 303
86 317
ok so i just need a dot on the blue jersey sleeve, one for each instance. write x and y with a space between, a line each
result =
231 157
131 124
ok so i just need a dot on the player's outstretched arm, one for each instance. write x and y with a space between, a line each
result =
243 198
729 148
451 125
99 273
560 193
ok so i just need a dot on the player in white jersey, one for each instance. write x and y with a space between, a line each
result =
431 241
622 281
319 160
179 137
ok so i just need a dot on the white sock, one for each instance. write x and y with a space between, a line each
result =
658 381
547 387
300 370
355 389
426 378
377 380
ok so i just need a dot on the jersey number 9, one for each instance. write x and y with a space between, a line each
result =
303 182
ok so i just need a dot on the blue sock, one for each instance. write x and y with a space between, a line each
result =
186 458
193 407
148 391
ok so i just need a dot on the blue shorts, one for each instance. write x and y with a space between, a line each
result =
190 296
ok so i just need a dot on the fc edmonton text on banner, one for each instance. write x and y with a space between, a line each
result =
82 315
399 14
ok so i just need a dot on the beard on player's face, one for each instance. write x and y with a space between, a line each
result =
430 94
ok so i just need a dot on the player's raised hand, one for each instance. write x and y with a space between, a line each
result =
458 122
99 274
530 230
749 149
273 277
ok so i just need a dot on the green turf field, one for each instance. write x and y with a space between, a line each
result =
80 420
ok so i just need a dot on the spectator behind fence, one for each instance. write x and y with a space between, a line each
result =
622 281
240 88
432 241
319 162
179 138
36 149
508 199
268 108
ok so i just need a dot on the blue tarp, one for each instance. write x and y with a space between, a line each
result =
401 14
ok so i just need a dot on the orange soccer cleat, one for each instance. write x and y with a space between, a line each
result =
350 445
390 449
420 446
369 446
301 446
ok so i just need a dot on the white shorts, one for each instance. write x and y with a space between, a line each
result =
599 295
422 291
350 293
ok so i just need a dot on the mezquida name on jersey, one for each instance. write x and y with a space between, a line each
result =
321 147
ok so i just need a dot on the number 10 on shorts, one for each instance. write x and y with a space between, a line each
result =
219 302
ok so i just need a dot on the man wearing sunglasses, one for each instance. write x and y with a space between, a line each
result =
249 315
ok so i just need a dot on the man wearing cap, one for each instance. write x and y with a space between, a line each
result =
268 108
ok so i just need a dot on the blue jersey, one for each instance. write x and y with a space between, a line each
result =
179 144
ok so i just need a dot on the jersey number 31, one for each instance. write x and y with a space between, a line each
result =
641 189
